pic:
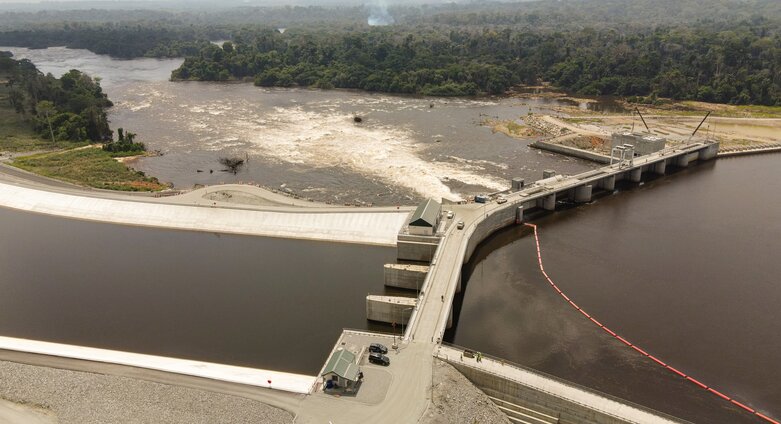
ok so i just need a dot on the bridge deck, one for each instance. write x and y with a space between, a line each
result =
430 320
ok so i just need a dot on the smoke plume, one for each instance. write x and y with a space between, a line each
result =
378 13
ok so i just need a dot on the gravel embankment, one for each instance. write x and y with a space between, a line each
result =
85 398
457 400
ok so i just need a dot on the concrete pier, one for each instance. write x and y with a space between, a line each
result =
548 202
405 276
582 194
682 161
390 309
659 167
416 248
608 183
636 174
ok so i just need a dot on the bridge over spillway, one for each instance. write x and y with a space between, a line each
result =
433 314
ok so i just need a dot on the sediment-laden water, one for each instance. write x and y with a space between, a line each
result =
307 141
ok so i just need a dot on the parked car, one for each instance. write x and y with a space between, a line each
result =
378 348
501 199
379 359
460 225
450 215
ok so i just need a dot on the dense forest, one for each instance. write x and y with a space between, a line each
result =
725 51
72 107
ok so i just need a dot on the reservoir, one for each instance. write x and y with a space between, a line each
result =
685 266
259 302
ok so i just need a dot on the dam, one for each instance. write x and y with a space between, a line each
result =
377 226
429 315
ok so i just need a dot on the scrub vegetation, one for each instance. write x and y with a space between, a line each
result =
89 166
62 116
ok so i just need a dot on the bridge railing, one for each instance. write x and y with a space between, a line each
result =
511 364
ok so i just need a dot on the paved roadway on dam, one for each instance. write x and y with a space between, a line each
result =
276 216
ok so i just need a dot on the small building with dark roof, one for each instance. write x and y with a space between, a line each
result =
341 370
425 219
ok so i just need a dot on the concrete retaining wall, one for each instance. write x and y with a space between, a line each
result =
571 151
295 383
415 251
495 221
410 277
389 309
511 391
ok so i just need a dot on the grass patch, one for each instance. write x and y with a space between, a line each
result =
90 167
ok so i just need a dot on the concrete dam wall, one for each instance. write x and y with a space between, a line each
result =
341 225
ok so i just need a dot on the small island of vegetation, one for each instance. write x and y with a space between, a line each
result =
64 120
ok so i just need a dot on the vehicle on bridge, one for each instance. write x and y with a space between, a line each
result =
460 225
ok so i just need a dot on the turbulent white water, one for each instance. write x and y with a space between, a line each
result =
406 147
321 136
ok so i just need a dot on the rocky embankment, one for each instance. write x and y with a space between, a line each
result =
86 398
457 400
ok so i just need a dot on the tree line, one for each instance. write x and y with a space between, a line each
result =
739 65
70 108
726 51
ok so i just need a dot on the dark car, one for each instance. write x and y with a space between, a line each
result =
379 359
378 348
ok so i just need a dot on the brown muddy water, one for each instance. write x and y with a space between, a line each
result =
685 266
306 141
259 302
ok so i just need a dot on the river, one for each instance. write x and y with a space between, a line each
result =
685 266
306 141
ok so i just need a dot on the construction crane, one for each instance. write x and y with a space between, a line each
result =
698 126
641 117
